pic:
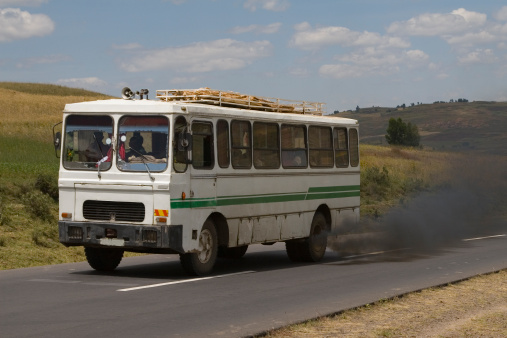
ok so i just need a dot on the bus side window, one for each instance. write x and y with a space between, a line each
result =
266 150
294 147
341 148
202 145
180 155
223 144
354 147
241 144
321 147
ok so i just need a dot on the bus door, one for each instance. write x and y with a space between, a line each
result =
202 171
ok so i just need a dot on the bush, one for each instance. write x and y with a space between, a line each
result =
375 182
39 205
48 184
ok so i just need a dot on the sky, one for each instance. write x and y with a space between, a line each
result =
345 53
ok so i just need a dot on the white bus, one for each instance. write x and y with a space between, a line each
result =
203 174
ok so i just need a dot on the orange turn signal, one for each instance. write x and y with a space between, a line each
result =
66 215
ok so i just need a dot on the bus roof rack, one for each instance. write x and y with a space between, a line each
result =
237 100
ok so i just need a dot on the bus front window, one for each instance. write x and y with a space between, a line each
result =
143 143
87 142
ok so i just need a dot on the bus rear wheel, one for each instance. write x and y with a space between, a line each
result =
313 248
202 262
103 259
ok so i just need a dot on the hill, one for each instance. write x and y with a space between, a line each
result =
460 126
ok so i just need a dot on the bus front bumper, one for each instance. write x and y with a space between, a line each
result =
131 237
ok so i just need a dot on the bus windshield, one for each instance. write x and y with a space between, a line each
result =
87 142
142 143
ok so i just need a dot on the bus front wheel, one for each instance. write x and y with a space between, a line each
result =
202 262
103 259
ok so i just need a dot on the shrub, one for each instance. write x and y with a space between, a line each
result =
48 184
375 182
39 205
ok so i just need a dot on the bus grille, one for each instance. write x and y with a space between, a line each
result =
113 211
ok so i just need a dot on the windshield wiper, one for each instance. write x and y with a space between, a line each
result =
103 159
144 162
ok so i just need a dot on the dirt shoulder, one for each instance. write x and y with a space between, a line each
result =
476 307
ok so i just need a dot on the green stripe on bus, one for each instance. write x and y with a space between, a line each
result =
313 194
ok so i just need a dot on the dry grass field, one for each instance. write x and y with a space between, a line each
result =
472 308
390 177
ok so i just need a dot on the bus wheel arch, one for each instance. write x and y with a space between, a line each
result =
326 212
222 228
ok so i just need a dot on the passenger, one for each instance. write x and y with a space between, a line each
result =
136 146
97 150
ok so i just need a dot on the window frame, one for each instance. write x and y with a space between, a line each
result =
320 149
257 161
241 149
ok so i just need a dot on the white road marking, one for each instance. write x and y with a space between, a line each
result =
184 281
487 237
373 253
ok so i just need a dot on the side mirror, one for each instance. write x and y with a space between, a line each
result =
57 140
184 141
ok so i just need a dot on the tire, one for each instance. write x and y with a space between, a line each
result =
233 253
201 263
313 248
294 250
103 259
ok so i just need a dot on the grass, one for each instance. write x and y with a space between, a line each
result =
28 167
471 308
390 177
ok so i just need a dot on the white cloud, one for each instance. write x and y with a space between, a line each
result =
478 56
372 61
501 15
21 3
83 82
259 29
30 62
16 24
225 54
435 24
269 5
308 38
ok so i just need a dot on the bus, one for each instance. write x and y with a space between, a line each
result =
204 174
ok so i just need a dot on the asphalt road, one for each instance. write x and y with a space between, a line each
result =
150 296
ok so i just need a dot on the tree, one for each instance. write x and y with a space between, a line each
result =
401 133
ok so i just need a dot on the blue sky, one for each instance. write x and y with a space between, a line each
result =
341 52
